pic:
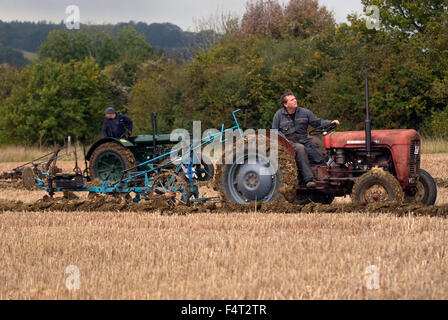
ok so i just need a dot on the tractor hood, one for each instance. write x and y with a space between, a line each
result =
356 139
148 139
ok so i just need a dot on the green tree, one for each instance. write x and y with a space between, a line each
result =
161 88
119 55
407 75
8 76
52 100
324 64
410 16
64 45
105 46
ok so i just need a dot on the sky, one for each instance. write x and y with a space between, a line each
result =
180 12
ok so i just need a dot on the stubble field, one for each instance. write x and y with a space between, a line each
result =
224 255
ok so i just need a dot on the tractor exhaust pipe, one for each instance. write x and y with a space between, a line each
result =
368 123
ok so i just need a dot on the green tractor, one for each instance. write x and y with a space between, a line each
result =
109 158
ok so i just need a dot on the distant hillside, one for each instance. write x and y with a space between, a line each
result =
16 37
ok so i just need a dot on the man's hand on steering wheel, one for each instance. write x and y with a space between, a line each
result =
325 130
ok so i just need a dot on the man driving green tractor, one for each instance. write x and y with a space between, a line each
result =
116 125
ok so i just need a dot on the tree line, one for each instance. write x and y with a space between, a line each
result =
17 37
271 49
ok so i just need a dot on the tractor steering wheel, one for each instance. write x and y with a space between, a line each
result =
323 130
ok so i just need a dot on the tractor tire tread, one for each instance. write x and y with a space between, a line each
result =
286 164
126 154
380 175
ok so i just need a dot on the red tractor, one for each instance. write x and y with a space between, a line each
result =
370 166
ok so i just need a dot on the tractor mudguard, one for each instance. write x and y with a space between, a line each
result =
125 143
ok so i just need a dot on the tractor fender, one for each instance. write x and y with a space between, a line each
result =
283 141
125 143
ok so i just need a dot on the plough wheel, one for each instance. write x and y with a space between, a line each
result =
172 188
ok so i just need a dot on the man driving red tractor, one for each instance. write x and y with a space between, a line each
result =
292 122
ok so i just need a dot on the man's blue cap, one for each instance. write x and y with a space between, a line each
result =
110 110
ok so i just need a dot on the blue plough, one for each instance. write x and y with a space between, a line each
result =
173 180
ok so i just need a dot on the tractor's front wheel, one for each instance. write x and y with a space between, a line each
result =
109 161
426 192
377 185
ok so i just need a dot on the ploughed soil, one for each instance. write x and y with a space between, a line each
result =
441 183
112 204
12 184
282 206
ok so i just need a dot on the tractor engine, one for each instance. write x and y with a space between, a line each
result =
395 151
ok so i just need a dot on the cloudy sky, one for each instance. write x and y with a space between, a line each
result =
180 12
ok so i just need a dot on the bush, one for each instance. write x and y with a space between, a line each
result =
439 124
53 100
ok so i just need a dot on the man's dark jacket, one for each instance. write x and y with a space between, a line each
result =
297 130
116 128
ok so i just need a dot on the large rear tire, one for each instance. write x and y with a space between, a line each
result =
426 192
244 182
377 185
109 160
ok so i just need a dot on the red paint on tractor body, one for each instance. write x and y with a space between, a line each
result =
397 141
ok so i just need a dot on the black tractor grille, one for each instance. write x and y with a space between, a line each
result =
415 157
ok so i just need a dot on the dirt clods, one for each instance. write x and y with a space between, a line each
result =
113 204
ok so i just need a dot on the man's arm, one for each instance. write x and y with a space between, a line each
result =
129 124
316 122
276 125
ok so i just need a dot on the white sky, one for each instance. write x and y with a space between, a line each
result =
180 12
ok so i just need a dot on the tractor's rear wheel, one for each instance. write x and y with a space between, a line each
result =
426 192
245 181
109 160
377 185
